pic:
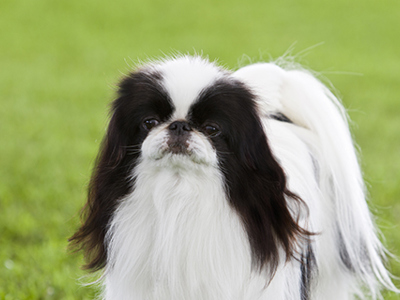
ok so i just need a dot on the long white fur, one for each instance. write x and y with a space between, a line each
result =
308 103
176 237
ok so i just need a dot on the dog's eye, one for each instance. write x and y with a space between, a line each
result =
150 123
211 130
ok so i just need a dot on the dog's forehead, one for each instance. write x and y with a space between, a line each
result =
185 78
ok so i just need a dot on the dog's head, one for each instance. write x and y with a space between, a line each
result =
183 113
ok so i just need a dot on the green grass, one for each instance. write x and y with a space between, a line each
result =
60 60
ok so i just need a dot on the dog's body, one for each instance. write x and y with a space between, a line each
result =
229 186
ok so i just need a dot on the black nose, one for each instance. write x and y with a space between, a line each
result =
179 127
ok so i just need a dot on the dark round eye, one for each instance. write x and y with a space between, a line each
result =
148 124
211 130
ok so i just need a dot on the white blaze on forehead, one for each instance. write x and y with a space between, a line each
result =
184 78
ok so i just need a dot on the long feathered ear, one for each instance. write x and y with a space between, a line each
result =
258 191
109 182
139 94
255 182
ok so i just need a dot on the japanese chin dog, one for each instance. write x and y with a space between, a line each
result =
219 185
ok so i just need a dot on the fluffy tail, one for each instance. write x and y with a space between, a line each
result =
308 103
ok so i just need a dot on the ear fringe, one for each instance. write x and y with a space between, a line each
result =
108 183
257 190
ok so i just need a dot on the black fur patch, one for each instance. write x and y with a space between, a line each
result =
140 96
281 117
308 268
254 181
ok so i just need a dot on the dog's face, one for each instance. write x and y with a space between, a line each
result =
175 115
184 113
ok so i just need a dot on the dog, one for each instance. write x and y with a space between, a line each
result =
220 185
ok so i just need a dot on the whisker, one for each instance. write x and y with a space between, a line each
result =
132 146
225 153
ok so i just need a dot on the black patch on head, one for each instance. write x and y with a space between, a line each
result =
140 96
254 181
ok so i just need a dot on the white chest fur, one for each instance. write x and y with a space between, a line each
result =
176 237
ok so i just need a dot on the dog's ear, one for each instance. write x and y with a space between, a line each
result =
257 189
109 182
139 94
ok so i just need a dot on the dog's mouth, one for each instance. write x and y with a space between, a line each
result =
178 149
178 145
170 149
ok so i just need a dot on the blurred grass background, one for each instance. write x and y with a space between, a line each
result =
60 61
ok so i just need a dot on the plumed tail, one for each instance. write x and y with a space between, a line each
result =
308 103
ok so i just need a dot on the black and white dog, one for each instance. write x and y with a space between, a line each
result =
218 185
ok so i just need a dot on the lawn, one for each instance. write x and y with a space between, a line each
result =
59 64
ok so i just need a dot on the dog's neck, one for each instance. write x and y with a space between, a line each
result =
174 228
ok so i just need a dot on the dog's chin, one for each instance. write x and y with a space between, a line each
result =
181 160
178 161
179 157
